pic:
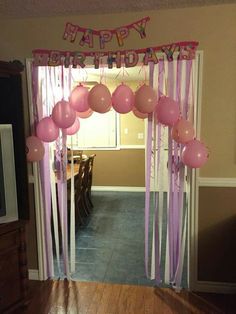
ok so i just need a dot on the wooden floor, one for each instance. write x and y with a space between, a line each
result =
59 297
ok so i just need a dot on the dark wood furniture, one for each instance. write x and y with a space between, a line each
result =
13 263
12 112
13 266
89 179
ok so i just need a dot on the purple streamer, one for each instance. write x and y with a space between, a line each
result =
171 181
187 88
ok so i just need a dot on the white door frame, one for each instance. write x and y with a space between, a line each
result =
34 179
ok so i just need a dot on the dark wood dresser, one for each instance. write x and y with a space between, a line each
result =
13 266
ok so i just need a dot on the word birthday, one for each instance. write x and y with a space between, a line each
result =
104 36
126 58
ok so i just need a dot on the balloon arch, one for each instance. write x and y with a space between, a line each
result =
144 102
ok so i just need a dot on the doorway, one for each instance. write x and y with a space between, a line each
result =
97 192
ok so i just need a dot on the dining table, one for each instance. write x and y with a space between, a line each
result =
68 172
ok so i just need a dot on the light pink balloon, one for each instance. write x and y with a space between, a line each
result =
145 99
34 148
139 114
47 130
167 111
79 98
194 154
74 128
85 114
123 99
183 131
63 115
99 98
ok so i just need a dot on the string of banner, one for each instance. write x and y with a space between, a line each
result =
120 58
126 58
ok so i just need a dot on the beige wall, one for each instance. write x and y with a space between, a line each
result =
111 167
217 234
214 27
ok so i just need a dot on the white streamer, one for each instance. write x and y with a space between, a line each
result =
72 214
54 206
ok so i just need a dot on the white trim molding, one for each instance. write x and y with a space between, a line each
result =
33 274
216 287
119 188
31 179
132 146
198 285
217 182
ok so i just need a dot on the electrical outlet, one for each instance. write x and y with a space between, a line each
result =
140 136
126 131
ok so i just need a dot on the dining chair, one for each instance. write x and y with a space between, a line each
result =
77 155
81 208
89 179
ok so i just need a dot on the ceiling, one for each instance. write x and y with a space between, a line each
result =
47 8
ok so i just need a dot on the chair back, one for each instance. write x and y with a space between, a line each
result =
89 172
77 155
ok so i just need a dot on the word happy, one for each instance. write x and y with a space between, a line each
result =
104 36
126 58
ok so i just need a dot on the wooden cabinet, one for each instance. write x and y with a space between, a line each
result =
13 266
12 112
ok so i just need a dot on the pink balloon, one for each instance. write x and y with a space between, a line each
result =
74 128
145 99
79 98
47 130
85 114
99 98
123 99
63 115
34 148
182 131
108 109
167 111
139 114
194 154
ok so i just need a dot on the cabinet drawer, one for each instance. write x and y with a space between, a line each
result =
9 240
9 266
9 293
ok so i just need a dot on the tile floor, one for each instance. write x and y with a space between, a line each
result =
111 247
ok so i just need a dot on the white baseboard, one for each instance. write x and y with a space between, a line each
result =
217 182
215 287
119 188
33 274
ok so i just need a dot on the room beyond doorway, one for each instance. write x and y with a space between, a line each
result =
109 174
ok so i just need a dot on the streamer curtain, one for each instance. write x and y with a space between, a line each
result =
166 219
167 225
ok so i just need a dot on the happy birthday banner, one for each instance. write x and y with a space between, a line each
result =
104 36
126 58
